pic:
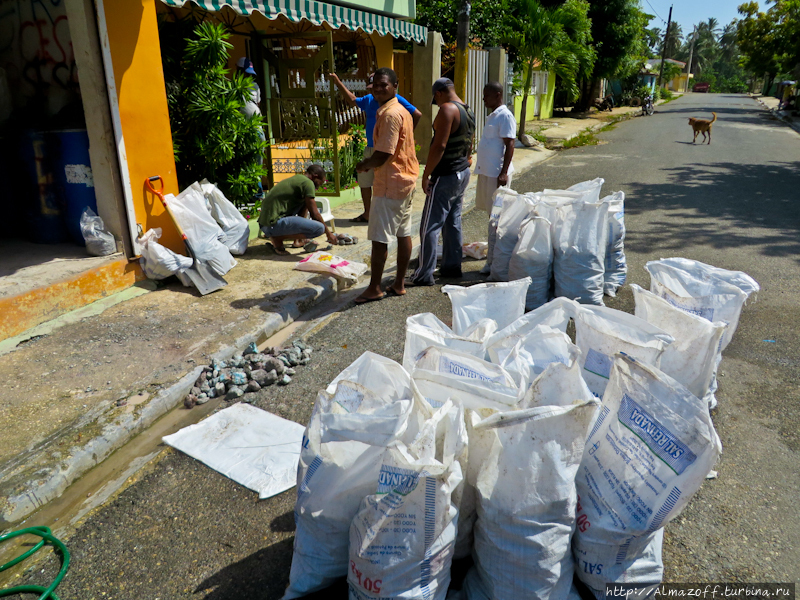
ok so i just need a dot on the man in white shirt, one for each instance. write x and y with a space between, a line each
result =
495 151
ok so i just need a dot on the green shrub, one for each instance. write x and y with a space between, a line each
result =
211 137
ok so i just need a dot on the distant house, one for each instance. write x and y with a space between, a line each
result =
679 83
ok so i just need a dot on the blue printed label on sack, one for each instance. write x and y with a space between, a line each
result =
598 363
661 442
453 367
393 479
699 311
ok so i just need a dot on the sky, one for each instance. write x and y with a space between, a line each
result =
690 12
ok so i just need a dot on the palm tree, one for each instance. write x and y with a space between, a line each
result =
674 40
552 39
706 46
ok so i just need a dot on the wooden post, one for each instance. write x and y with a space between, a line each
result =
462 42
664 49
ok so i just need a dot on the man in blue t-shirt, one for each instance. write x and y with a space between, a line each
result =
370 106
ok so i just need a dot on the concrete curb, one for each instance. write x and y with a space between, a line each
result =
594 124
41 474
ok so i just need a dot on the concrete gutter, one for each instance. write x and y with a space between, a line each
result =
43 473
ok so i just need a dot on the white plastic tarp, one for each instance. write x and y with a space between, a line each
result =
255 448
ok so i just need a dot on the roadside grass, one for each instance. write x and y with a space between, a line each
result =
584 138
612 123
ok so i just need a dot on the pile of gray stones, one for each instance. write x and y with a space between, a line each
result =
248 371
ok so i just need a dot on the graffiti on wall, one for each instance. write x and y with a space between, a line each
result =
36 54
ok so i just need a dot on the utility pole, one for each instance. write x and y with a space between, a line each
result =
664 49
462 56
691 54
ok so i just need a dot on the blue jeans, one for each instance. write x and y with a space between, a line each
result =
442 213
294 225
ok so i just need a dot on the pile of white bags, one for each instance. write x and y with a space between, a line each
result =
493 442
569 242
213 225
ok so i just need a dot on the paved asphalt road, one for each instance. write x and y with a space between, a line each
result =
183 531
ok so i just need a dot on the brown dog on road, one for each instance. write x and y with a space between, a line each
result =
702 126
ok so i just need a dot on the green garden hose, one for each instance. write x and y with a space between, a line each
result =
46 593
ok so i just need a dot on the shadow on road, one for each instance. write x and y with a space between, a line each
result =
752 205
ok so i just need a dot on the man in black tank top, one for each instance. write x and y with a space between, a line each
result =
444 182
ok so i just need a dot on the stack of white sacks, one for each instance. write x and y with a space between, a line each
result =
501 439
569 242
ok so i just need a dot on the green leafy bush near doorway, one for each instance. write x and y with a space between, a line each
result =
211 137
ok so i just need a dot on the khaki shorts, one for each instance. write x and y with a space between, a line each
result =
366 178
389 219
484 190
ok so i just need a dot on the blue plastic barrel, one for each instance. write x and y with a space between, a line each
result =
73 176
44 218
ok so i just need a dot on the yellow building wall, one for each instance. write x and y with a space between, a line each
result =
144 115
384 52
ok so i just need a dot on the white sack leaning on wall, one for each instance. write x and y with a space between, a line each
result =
647 454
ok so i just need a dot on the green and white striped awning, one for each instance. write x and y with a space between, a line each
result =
318 13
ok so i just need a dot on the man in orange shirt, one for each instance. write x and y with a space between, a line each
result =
396 169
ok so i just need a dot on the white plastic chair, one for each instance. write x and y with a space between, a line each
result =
324 208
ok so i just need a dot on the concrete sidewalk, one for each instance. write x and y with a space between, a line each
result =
78 388
771 104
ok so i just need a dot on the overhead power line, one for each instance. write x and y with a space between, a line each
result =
654 10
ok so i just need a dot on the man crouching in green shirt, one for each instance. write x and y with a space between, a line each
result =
285 206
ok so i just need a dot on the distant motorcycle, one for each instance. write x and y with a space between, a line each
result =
606 103
647 106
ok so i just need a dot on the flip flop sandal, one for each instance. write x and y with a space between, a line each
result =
392 293
359 219
361 300
279 252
